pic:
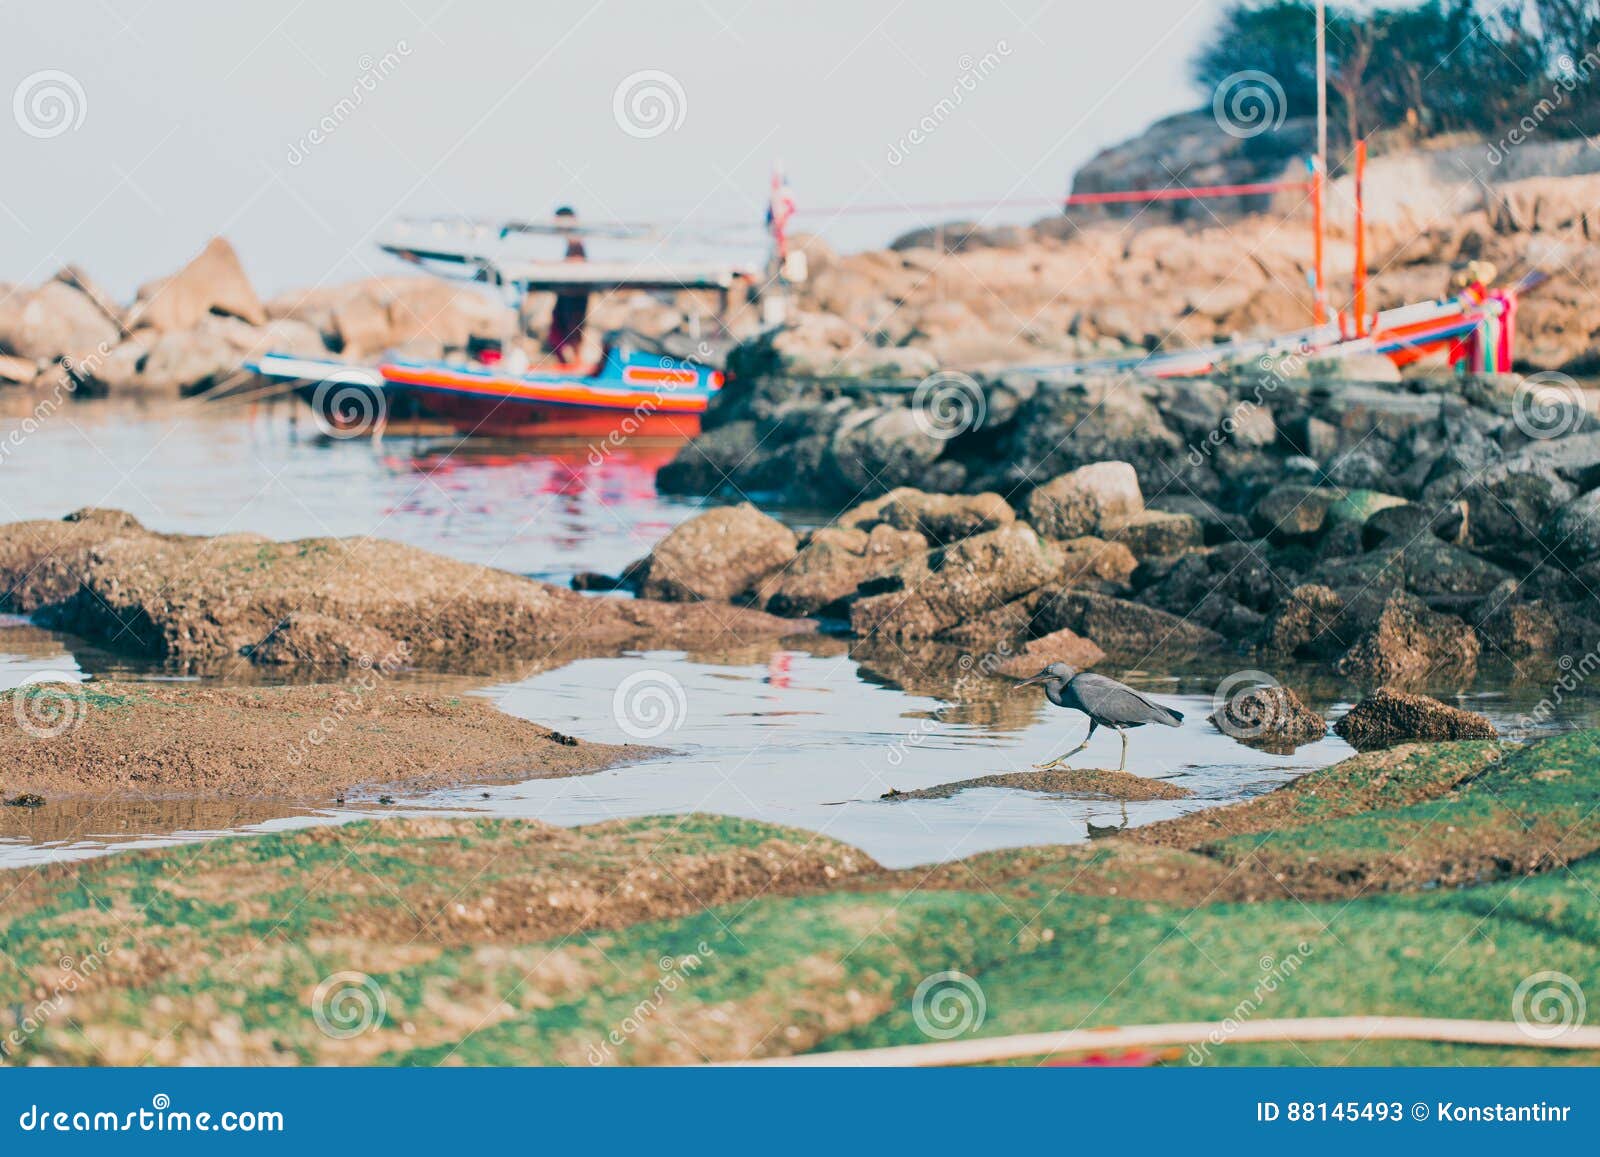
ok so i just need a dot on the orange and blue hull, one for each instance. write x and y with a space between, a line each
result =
653 396
631 393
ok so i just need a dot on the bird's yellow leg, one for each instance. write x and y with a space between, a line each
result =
1064 756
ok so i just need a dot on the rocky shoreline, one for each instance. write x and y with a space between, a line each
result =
1393 532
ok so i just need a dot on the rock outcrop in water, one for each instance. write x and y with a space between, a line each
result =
1389 717
310 742
102 575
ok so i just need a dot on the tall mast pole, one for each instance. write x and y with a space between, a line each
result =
1322 84
1319 170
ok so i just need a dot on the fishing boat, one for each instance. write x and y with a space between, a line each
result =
639 392
637 386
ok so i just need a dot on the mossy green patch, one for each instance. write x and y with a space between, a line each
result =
685 939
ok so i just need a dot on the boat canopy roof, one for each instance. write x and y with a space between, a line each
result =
485 252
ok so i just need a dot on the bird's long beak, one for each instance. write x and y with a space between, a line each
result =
1032 679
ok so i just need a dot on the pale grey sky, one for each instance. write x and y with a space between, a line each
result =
138 130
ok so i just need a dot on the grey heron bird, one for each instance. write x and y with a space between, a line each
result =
1106 702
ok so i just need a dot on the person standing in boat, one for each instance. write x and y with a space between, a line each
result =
571 312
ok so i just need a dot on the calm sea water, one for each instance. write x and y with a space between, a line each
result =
807 737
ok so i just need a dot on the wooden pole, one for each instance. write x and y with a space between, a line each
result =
1359 306
1322 84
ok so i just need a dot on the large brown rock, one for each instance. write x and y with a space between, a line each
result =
1271 717
1084 500
1573 532
1061 646
1411 642
1310 623
946 518
720 555
1087 560
1292 511
364 318
53 322
1388 717
1514 627
1122 628
322 641
213 283
964 581
104 576
193 360
17 371
834 562
1158 532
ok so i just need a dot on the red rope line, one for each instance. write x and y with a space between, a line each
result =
1118 196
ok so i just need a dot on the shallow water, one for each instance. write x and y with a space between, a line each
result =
210 468
807 737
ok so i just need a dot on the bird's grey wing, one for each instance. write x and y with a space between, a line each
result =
1115 702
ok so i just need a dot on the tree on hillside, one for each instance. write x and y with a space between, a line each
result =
1272 37
1347 73
1438 66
